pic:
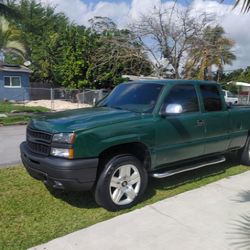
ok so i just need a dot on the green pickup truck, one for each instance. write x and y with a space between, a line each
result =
142 128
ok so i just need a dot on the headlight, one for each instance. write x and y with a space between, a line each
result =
63 152
64 138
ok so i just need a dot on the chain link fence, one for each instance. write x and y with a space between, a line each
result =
244 99
58 98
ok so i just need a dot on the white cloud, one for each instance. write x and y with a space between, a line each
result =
234 22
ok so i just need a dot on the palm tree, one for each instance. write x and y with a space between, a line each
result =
213 49
10 39
245 5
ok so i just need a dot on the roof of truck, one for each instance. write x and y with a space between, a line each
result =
173 81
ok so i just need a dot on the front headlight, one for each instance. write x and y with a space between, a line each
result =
64 138
63 152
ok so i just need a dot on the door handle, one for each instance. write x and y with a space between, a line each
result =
200 123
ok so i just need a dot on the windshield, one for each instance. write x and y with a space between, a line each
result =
229 94
136 97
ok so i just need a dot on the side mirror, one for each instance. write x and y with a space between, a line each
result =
172 109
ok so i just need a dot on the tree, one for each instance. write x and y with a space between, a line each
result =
42 28
212 48
72 60
117 52
245 5
166 35
239 75
10 39
7 11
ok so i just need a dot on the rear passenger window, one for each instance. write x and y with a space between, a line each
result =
211 98
185 95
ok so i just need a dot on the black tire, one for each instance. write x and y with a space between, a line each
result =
113 170
244 154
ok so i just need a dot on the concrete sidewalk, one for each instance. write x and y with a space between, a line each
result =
209 218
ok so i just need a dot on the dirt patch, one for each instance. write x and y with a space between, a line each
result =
56 105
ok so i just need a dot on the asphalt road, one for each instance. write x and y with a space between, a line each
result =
10 139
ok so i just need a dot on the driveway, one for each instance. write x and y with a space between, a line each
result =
216 216
10 139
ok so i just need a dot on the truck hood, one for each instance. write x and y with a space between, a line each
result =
81 119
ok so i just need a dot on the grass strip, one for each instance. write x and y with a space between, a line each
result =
31 215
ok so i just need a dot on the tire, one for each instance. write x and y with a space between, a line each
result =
244 154
121 183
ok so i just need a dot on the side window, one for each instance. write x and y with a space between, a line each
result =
211 98
185 95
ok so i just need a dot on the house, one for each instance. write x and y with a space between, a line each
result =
244 87
14 82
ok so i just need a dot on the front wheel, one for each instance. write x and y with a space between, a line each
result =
121 183
244 154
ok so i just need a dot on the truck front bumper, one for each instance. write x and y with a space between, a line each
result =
59 173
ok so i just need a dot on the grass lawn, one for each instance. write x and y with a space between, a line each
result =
6 108
30 215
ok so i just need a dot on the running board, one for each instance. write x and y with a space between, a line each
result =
188 168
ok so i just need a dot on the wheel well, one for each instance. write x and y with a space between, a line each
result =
139 150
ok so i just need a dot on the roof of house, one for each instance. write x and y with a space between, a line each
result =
244 84
14 68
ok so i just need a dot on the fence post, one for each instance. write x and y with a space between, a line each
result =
52 98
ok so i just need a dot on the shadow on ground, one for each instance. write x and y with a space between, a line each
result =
76 199
175 181
86 199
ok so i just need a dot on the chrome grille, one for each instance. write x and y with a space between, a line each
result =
39 135
39 141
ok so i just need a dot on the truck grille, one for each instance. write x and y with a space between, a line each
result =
39 141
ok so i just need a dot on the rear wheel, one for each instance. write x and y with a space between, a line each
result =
121 183
244 154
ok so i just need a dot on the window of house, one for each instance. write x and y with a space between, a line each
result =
12 81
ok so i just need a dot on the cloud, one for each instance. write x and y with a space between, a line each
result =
80 12
234 22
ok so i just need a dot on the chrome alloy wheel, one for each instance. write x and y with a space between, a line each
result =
125 184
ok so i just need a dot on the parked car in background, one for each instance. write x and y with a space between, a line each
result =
230 98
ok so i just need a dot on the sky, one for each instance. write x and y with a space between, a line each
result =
235 23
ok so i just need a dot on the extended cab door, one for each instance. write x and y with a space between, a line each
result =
180 136
216 119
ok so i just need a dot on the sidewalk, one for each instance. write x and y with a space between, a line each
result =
208 218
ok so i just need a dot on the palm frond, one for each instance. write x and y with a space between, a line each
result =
245 5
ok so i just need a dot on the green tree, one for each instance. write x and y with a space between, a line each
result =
239 75
73 56
211 49
7 11
10 39
42 28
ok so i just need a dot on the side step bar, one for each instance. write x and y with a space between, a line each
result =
188 168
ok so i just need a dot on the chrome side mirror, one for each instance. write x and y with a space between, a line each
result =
172 109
